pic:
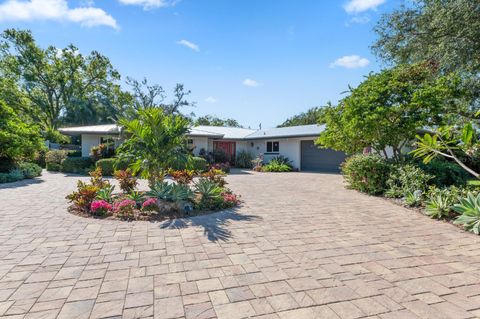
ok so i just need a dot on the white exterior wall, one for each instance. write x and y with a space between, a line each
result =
199 143
89 141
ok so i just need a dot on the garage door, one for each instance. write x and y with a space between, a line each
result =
320 159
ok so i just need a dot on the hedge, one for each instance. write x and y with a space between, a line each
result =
76 165
107 165
54 158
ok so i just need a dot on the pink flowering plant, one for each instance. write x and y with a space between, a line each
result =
124 208
230 199
150 205
100 207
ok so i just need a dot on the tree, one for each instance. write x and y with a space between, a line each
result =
19 138
444 33
388 107
155 141
56 81
212 120
311 116
147 95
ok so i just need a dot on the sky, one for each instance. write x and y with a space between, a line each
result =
254 61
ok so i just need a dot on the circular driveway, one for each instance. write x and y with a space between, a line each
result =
301 246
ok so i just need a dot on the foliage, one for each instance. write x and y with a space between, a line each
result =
257 163
405 179
96 178
136 196
84 196
19 138
445 173
182 176
446 140
311 116
220 156
101 151
469 210
127 181
414 199
366 173
197 164
29 170
230 200
216 176
438 205
224 167
160 190
154 142
12 176
149 205
211 120
55 136
387 108
277 164
107 165
244 159
54 158
170 192
124 208
57 82
280 159
76 165
100 207
39 157
210 194
106 193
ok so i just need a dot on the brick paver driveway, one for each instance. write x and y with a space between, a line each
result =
301 247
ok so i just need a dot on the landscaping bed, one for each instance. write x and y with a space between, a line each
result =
177 198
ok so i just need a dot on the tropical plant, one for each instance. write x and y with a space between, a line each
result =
136 196
406 178
244 159
366 173
107 165
220 156
127 181
276 166
305 118
210 194
106 193
124 208
182 176
54 158
96 178
150 205
445 173
101 207
160 190
469 210
414 199
155 141
216 176
84 196
197 164
180 193
439 203
230 200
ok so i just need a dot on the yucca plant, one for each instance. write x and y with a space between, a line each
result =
469 208
439 205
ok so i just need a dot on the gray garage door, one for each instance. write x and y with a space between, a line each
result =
320 159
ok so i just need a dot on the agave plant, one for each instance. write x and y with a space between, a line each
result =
180 193
439 205
209 191
414 199
469 208
106 193
160 190
137 197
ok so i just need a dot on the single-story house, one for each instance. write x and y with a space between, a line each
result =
295 142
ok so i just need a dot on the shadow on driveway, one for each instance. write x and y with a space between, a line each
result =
214 225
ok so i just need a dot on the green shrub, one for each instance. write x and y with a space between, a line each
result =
366 173
53 159
13 176
274 166
198 164
107 165
121 164
210 194
469 208
220 156
30 170
39 157
244 159
76 153
406 178
439 204
76 165
445 173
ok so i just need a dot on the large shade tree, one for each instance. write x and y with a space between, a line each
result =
56 81
386 110
311 116
212 120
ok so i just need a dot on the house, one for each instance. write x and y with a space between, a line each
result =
295 142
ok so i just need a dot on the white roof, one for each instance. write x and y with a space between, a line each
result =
291 131
92 129
226 132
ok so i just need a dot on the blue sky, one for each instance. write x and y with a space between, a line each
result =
255 61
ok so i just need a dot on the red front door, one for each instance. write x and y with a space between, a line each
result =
227 147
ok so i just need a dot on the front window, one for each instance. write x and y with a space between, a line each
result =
273 147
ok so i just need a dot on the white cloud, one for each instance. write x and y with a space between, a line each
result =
149 4
189 45
250 83
16 10
350 62
357 6
211 99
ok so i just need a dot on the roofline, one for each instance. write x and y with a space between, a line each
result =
279 136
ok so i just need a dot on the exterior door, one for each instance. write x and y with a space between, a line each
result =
320 159
227 147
